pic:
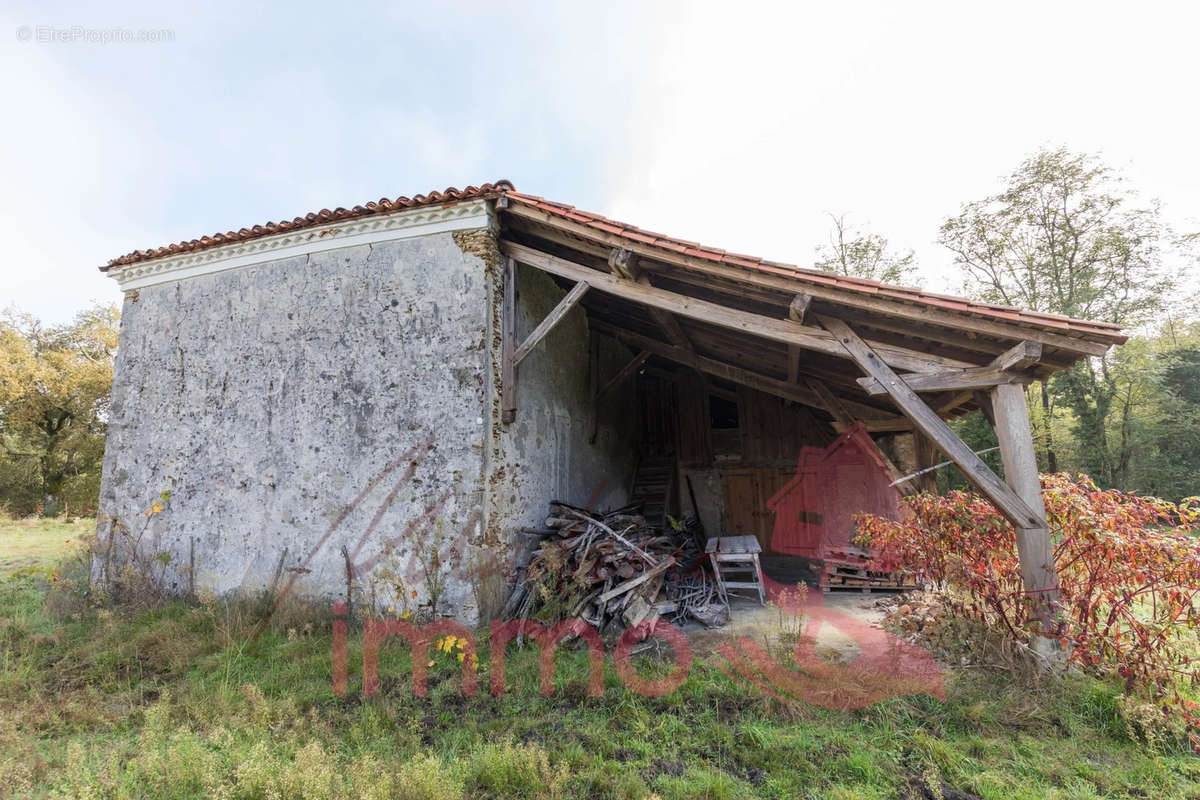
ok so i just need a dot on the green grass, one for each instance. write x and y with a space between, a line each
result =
36 543
177 701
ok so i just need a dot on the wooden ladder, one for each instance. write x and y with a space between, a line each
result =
653 486
735 564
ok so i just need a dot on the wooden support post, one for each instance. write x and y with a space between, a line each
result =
926 455
793 363
1034 547
1020 499
508 346
553 318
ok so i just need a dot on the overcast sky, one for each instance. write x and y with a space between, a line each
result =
735 124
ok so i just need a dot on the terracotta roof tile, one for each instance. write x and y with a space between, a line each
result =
383 206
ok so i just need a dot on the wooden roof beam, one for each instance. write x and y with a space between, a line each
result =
893 425
787 285
667 321
953 339
631 366
729 372
780 330
1008 367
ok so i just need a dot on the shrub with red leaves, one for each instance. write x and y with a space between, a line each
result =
1128 568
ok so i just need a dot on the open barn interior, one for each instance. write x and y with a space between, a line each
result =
775 403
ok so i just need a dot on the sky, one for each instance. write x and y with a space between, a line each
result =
740 125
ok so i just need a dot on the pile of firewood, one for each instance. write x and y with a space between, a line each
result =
614 571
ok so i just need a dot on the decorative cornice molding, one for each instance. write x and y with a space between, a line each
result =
408 224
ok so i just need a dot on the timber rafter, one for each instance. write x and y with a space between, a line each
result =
917 314
780 330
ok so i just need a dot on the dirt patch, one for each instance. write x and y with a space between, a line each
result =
768 625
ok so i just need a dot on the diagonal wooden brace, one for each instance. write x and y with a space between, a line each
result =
926 420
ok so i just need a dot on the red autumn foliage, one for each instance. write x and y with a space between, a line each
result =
1128 567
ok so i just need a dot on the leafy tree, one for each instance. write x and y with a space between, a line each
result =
1067 237
864 255
1165 429
54 389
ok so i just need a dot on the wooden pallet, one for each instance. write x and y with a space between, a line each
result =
850 576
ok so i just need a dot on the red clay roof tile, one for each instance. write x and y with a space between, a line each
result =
384 206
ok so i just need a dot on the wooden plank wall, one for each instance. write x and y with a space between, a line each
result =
660 415
773 430
695 442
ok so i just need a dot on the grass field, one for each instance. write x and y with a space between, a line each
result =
178 701
35 543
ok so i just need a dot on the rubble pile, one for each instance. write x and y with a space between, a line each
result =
915 615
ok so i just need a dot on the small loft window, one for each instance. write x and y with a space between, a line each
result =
722 413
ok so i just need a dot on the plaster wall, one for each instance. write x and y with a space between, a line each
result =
298 407
345 403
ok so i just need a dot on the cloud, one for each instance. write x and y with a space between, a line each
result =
759 119
740 125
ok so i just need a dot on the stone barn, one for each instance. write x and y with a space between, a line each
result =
389 394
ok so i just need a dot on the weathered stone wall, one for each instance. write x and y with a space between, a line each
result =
346 404
304 406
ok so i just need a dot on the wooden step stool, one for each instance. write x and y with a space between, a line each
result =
736 556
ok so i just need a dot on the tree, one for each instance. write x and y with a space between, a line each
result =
1165 430
1067 237
864 255
54 389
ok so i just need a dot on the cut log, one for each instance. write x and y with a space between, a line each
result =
633 583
